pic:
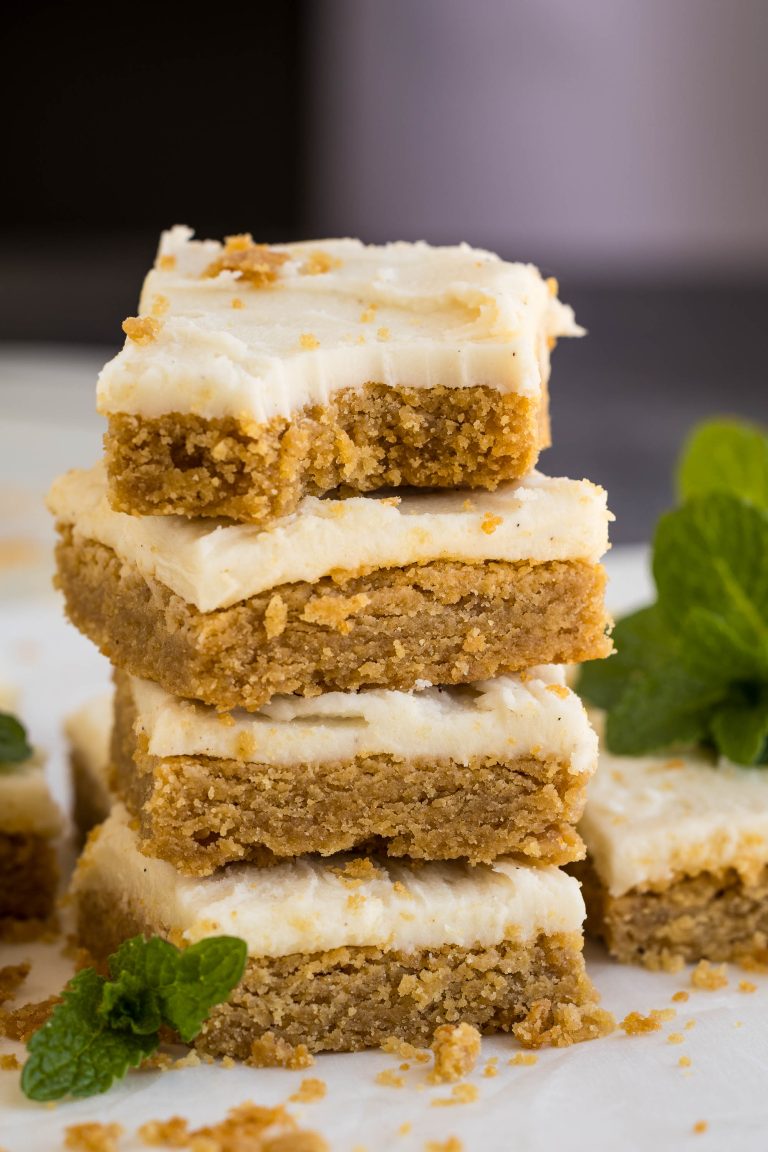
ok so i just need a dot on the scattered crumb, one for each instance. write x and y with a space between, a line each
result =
369 315
93 1137
390 1078
552 285
747 986
709 977
25 931
738 1024
675 1038
700 1126
452 1144
490 523
490 1071
160 304
684 1061
9 1063
559 690
689 1024
308 340
141 329
270 1052
190 1060
681 996
11 979
21 1023
397 1047
310 1090
460 1094
525 1058
236 302
247 1128
456 1049
319 262
167 263
635 1024
383 333
355 901
562 1024
255 263
228 1062
405 1128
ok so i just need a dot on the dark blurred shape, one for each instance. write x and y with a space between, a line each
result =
122 120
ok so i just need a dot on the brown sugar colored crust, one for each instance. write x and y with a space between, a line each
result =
446 622
354 998
29 876
709 916
374 437
200 813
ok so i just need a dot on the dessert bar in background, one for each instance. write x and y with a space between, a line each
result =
88 732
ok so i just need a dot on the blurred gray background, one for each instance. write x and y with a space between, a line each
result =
619 144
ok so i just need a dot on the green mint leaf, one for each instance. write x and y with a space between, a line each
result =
76 1053
152 961
206 974
141 970
14 748
659 710
710 555
740 729
128 1004
640 640
710 647
725 456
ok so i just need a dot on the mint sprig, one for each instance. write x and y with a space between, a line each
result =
104 1026
14 746
693 668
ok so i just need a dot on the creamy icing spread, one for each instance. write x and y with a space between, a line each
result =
304 905
214 564
337 315
26 807
505 717
650 819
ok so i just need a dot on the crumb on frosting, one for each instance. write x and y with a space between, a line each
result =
308 341
490 523
141 329
258 264
456 1049
559 690
160 304
318 263
166 263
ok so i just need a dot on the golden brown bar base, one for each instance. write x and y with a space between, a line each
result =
374 437
446 622
354 998
29 877
703 917
200 813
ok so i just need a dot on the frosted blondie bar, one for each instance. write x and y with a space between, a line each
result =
476 772
348 951
256 375
447 587
678 859
30 822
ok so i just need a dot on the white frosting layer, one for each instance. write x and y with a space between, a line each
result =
402 314
504 718
213 565
650 820
304 905
88 731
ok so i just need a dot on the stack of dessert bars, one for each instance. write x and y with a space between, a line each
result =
338 599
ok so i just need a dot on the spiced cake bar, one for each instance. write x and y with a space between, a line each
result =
30 822
256 375
448 587
476 771
348 951
89 731
678 859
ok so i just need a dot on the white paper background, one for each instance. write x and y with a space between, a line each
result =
619 1093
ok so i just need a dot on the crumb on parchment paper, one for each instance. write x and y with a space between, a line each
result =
709 977
456 1049
92 1137
247 1128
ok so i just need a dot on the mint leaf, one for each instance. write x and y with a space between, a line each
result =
76 1053
740 729
206 974
104 1027
659 710
641 640
14 748
725 456
710 555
